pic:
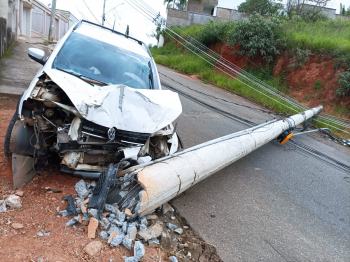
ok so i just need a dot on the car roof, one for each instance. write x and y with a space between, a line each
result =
112 37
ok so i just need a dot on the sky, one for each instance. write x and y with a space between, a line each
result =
123 14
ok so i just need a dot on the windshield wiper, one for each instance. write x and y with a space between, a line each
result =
150 75
75 74
93 80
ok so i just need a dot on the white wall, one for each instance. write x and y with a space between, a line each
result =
230 4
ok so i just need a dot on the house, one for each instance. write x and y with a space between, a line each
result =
20 19
201 12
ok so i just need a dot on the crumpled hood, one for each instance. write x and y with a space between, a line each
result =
136 110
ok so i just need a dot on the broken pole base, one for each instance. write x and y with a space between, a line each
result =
22 170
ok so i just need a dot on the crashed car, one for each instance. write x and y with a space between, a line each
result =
96 101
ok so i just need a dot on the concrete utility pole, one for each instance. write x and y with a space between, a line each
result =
103 16
52 28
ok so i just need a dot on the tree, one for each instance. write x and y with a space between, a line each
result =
159 30
259 36
177 4
344 11
262 7
309 10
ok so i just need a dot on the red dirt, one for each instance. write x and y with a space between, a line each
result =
301 80
228 52
38 213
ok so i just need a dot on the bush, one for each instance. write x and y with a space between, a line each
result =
299 58
259 36
262 7
215 32
318 84
344 82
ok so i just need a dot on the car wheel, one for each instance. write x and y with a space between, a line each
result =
7 151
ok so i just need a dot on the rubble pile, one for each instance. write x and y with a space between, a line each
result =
115 227
120 225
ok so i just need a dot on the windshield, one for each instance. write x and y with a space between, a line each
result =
93 59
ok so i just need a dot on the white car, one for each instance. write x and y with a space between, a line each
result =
96 101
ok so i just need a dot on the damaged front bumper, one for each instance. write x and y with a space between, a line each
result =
100 126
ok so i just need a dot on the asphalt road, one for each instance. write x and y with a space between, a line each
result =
276 204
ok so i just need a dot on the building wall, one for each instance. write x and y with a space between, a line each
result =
8 24
185 18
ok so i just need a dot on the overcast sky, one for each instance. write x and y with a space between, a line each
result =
124 14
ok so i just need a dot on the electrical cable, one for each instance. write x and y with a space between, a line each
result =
304 148
91 12
332 119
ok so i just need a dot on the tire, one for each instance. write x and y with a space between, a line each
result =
7 151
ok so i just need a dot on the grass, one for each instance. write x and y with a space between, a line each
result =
331 36
318 84
187 63
8 52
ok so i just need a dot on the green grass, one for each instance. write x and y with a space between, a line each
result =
318 84
331 36
188 63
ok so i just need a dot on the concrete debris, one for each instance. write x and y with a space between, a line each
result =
81 189
64 213
179 231
165 240
189 255
154 242
40 234
151 232
3 207
19 193
111 208
173 259
128 212
130 259
172 218
127 242
171 226
93 248
185 227
92 227
47 233
14 201
151 217
104 222
93 212
72 222
165 208
142 227
117 240
133 233
139 250
17 225
143 221
103 235
183 246
120 216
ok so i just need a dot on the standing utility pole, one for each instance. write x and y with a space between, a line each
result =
103 16
52 28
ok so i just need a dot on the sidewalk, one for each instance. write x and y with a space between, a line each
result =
18 70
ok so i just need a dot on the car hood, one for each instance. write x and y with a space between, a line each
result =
120 106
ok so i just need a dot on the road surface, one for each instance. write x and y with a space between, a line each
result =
276 204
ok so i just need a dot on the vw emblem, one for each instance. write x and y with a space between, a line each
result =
111 134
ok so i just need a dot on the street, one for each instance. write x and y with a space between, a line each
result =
276 204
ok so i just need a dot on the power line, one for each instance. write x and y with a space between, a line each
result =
91 12
213 59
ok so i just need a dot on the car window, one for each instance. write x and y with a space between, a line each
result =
85 56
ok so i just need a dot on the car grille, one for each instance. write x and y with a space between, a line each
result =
120 135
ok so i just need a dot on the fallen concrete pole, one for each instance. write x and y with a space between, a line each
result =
164 179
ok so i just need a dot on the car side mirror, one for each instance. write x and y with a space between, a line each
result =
37 55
